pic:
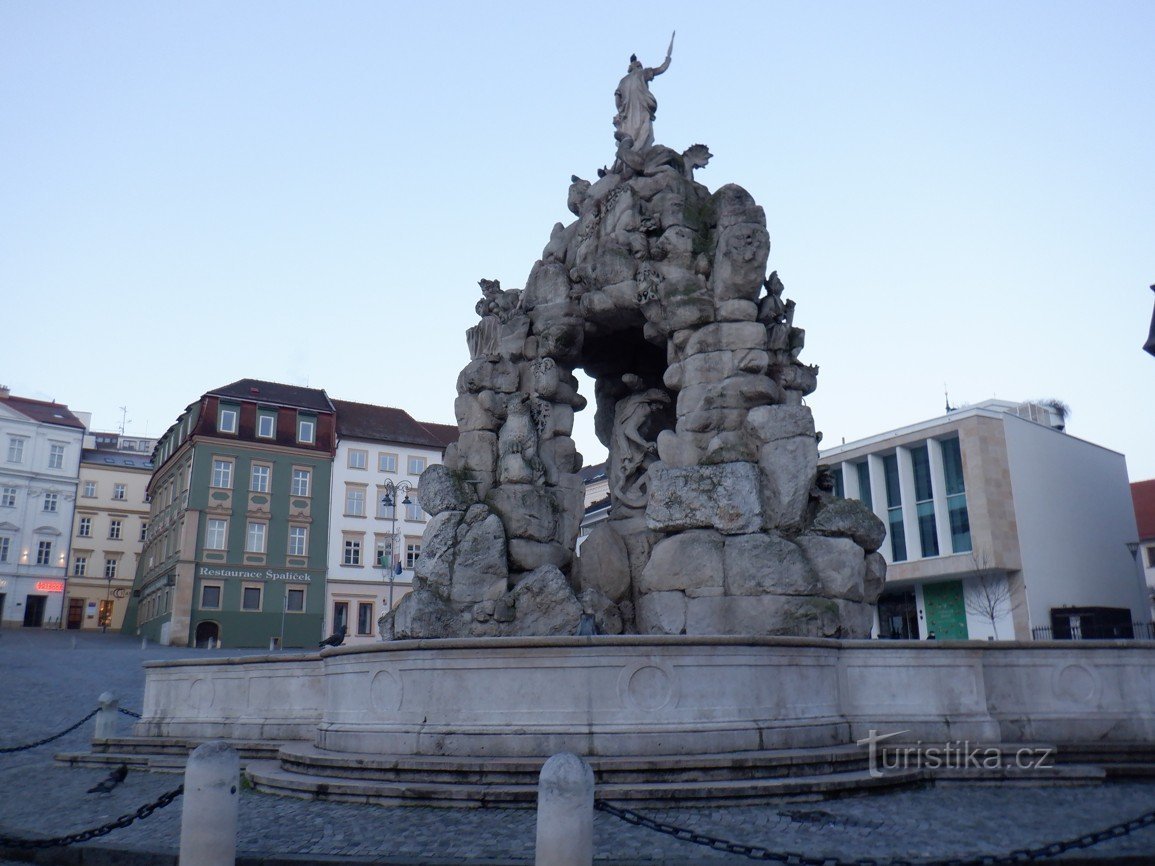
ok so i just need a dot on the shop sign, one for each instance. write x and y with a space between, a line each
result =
50 586
254 573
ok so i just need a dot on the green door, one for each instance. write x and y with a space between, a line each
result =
946 616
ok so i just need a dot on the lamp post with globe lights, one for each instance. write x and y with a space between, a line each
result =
389 500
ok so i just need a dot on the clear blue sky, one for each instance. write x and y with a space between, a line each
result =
193 193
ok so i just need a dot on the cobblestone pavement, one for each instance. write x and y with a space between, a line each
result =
49 680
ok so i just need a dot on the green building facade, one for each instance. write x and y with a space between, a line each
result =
236 549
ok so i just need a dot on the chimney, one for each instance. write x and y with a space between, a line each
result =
5 392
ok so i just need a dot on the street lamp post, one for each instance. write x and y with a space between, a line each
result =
389 500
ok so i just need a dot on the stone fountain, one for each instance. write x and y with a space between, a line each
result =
721 522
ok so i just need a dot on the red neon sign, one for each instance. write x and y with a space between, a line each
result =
50 586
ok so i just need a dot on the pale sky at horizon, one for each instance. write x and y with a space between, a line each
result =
959 196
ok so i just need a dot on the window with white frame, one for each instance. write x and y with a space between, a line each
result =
386 461
84 527
8 497
222 473
115 527
358 458
355 500
51 501
80 565
301 481
44 553
227 419
416 465
306 429
16 449
266 425
55 456
120 491
216 533
89 489
295 599
298 540
259 474
255 537
251 596
413 511
1151 556
412 553
110 568
5 548
143 530
352 550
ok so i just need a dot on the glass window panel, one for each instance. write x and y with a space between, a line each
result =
927 529
863 470
960 524
952 466
890 473
920 460
897 536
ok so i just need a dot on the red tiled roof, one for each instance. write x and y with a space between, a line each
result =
446 433
1143 495
44 412
385 424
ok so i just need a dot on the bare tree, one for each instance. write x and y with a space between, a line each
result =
992 599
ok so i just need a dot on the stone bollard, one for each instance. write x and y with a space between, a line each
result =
208 821
144 643
565 812
106 717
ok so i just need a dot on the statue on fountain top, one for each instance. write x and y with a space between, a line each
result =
636 104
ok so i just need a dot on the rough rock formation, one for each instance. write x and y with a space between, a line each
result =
721 520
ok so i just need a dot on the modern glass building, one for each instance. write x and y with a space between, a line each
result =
999 525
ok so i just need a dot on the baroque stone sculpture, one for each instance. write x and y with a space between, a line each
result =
721 520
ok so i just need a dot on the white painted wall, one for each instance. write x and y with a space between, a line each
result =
26 523
1075 518
368 583
980 627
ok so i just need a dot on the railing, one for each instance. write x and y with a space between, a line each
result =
1091 631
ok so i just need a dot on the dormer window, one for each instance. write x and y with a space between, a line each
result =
227 419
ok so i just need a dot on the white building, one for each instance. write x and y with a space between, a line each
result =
40 446
375 524
999 524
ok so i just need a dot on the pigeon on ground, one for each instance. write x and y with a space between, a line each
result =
110 781
335 639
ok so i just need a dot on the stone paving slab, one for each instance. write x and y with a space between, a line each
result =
48 681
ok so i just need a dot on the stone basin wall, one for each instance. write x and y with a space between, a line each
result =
636 695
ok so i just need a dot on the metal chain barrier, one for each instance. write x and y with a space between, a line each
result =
128 713
23 748
96 832
757 852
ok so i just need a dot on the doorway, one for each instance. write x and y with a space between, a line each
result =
898 616
207 631
75 613
34 607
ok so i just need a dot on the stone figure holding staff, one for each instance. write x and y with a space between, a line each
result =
636 104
